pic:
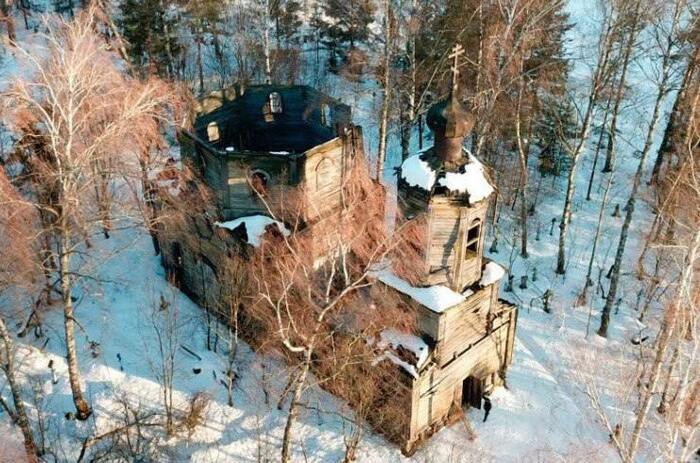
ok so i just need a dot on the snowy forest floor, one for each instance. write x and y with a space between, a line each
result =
544 414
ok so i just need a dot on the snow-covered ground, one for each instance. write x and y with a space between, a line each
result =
543 415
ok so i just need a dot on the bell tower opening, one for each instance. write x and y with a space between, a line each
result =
473 237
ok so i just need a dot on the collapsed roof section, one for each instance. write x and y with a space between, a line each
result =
269 118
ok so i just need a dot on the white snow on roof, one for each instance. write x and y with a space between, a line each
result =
394 339
492 273
255 226
417 172
472 181
437 298
395 359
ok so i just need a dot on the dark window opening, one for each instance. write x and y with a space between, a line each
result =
259 183
275 101
325 115
213 131
473 235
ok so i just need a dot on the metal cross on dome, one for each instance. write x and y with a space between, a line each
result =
457 51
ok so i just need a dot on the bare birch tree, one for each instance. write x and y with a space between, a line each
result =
631 23
599 77
17 270
76 112
667 41
389 26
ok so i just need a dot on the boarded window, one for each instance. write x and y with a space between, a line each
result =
473 235
213 131
259 182
275 103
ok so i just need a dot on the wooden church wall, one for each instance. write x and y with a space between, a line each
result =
463 326
436 390
323 178
242 200
447 228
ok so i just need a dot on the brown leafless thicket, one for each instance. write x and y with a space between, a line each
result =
318 312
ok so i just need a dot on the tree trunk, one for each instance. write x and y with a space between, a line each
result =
232 351
114 30
81 406
615 276
589 282
168 42
596 85
619 94
386 83
566 217
667 381
665 332
200 66
603 131
664 148
300 382
523 152
266 43
20 413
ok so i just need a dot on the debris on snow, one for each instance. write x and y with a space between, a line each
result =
255 226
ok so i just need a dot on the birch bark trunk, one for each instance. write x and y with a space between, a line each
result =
20 413
81 406
620 91
596 85
386 83
624 232
665 333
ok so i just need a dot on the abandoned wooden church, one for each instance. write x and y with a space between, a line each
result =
275 159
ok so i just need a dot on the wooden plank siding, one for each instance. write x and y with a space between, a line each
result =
447 228
440 388
323 172
460 328
242 199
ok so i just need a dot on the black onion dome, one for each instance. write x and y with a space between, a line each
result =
448 118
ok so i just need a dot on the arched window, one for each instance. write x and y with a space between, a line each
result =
275 103
473 235
259 182
323 174
213 131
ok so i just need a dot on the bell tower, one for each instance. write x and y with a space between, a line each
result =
446 188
